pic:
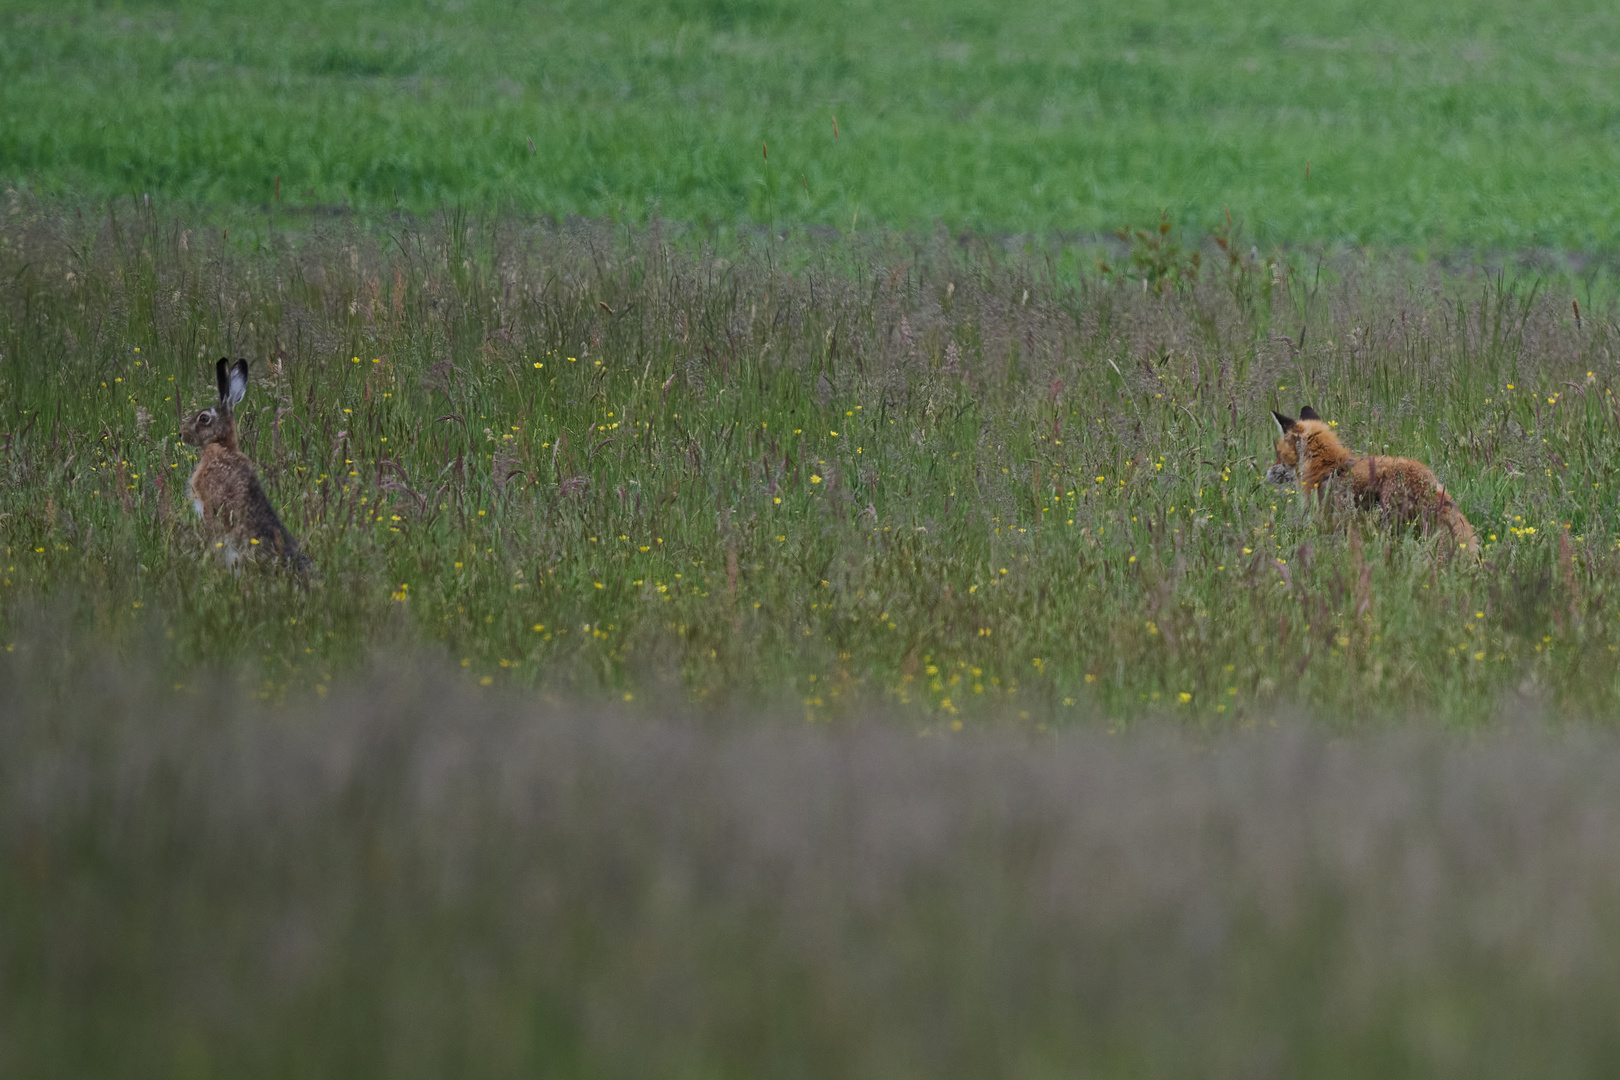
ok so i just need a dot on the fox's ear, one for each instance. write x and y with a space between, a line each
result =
1308 413
222 375
1285 424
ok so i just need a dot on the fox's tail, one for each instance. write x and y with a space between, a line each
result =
1462 533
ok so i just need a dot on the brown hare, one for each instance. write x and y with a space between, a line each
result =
225 489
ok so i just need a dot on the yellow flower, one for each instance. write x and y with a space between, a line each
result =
1185 697
814 479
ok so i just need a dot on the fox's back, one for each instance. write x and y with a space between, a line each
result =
1377 470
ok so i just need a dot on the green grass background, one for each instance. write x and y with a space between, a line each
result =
1459 123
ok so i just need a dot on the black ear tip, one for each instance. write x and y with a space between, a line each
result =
1308 413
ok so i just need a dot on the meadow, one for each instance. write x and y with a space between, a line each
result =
795 592
1472 124
930 474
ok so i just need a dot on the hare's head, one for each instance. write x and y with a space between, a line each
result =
218 424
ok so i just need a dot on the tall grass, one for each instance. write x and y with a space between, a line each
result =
415 879
939 475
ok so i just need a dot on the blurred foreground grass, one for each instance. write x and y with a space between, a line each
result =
956 479
418 878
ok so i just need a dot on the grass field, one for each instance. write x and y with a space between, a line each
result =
816 612
963 485
1456 124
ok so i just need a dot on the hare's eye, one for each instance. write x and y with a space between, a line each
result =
204 419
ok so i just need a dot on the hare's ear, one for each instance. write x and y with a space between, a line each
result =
222 375
238 382
1285 424
1308 413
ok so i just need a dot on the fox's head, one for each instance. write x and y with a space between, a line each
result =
1291 435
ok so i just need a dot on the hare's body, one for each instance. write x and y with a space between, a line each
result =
226 493
225 487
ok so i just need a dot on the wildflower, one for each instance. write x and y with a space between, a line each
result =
814 479
1185 697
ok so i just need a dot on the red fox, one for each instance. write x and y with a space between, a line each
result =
1406 490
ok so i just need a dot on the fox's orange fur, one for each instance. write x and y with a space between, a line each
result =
1404 489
